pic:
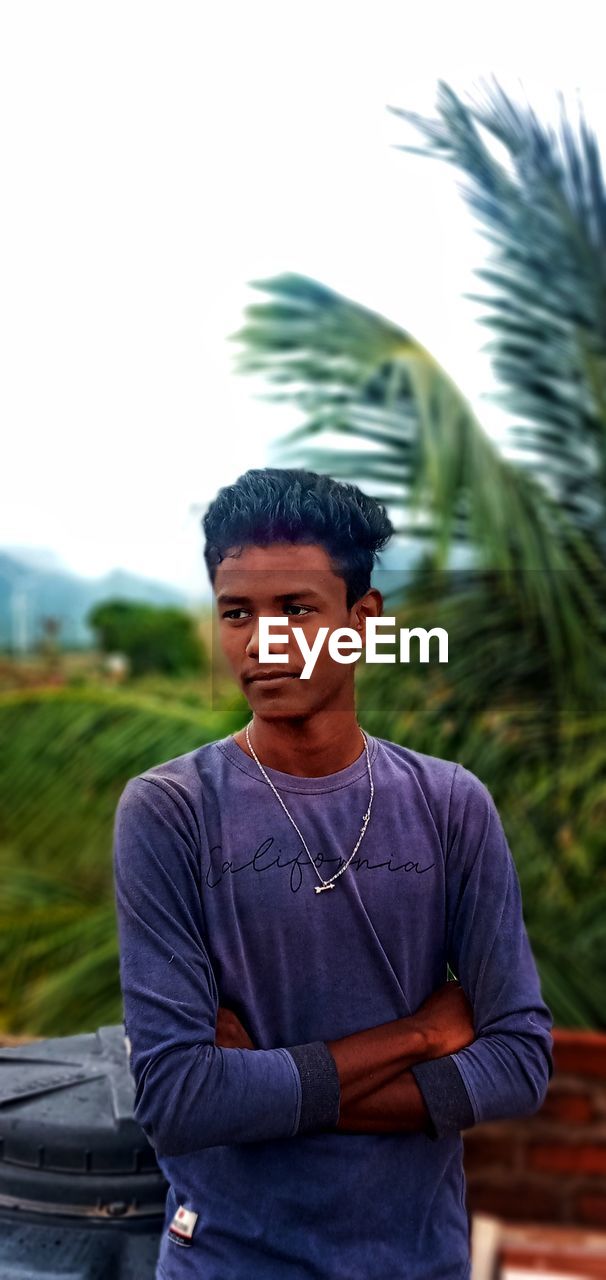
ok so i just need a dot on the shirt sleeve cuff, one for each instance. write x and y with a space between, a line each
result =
445 1096
320 1086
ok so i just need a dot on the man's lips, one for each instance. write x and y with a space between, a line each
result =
270 675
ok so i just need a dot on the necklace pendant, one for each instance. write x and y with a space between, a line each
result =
321 887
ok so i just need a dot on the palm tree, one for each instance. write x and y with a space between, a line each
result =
526 620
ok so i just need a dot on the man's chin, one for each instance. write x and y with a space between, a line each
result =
274 689
277 696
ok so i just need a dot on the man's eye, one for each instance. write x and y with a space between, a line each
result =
236 614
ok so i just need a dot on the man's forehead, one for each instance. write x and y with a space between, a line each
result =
277 583
277 570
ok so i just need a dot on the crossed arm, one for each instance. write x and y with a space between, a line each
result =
379 1093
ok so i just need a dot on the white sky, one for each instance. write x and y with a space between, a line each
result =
158 156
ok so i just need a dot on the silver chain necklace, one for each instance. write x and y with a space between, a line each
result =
325 884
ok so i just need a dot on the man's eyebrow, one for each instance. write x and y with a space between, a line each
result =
225 598
296 595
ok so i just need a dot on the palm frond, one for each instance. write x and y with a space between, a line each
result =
542 210
65 755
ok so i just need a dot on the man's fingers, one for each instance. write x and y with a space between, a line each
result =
230 1034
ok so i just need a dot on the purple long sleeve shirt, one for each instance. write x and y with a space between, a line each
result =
216 905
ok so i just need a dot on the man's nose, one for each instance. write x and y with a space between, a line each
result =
252 647
276 646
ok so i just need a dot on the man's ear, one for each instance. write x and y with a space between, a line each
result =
369 606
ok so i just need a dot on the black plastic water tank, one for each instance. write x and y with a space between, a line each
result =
81 1194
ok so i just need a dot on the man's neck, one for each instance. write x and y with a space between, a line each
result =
312 748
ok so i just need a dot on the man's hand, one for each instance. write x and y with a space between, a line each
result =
230 1033
446 1020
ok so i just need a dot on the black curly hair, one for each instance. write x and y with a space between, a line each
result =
293 505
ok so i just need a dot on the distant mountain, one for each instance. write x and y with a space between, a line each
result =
39 557
33 588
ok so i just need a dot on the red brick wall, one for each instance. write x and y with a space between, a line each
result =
550 1167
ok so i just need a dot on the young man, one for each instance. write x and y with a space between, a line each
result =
288 900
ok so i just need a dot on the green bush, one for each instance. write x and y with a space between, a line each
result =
152 638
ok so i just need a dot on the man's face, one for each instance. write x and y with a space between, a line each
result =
297 582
